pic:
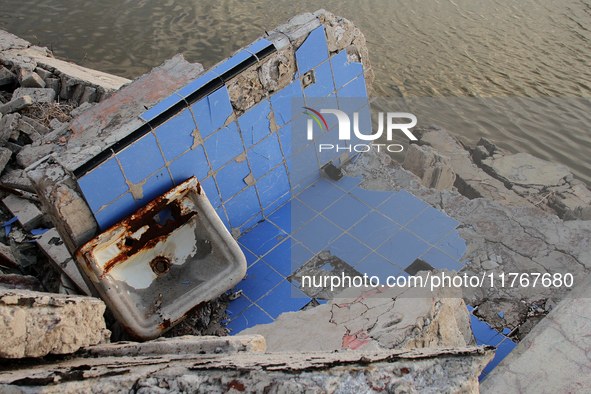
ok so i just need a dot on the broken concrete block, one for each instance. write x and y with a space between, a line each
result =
30 154
430 166
17 179
53 246
525 170
38 127
5 155
7 77
480 153
372 319
16 105
9 128
188 344
34 324
89 95
29 216
15 148
44 74
7 258
53 84
29 130
38 95
32 80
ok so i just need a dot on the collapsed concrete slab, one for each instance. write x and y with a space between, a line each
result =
35 324
419 370
500 239
373 319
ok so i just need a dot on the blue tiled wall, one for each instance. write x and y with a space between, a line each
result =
244 161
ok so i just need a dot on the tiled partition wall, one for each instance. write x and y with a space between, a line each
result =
242 160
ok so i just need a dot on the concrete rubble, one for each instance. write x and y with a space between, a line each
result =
34 324
518 214
500 238
373 319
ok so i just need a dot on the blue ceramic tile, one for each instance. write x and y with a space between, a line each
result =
265 156
280 257
374 229
253 221
211 112
348 249
222 215
300 255
481 377
141 159
255 124
157 184
376 265
262 238
300 214
506 331
242 207
161 107
323 86
223 146
440 260
282 217
277 204
432 225
320 195
231 62
483 333
344 70
259 46
329 102
353 96
328 146
260 278
191 163
373 198
249 318
211 191
298 188
313 51
237 306
117 210
250 257
317 234
196 84
285 139
103 184
273 186
175 136
470 308
346 212
361 121
299 134
403 248
282 299
402 207
282 102
453 245
230 179
347 183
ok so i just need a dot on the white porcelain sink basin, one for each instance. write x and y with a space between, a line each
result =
156 265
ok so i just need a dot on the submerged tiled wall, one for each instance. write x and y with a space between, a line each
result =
243 160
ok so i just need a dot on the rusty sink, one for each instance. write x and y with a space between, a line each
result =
156 265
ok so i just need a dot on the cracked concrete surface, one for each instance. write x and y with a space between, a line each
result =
500 239
372 319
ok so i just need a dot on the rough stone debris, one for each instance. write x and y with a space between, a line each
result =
29 216
34 324
372 319
430 166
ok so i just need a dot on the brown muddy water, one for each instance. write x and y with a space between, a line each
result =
418 48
